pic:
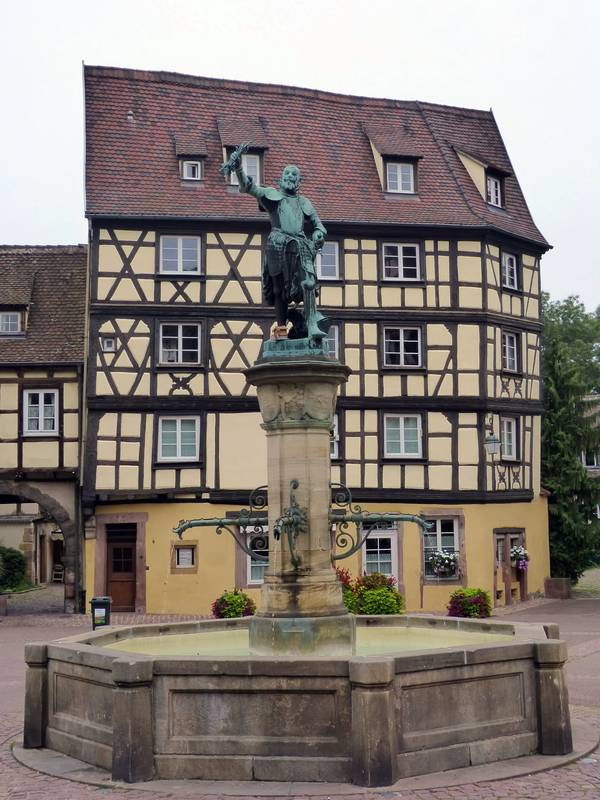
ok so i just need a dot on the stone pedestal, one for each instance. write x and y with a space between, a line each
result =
132 758
554 721
36 695
374 732
297 399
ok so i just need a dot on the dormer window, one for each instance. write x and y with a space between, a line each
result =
494 190
10 322
251 166
400 177
191 170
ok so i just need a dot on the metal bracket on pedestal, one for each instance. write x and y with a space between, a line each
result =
365 522
247 518
294 521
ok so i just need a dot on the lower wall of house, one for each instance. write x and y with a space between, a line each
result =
162 588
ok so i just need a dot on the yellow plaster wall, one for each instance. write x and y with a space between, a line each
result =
9 396
9 426
243 451
40 454
480 521
8 454
169 593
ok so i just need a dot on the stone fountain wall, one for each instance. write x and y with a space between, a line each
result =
367 720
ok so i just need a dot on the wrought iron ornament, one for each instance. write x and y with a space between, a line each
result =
250 536
248 533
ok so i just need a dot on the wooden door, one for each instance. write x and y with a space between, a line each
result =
501 597
121 575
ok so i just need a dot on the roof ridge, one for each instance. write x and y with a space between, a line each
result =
27 248
164 76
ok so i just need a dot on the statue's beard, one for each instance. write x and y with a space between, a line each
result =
289 186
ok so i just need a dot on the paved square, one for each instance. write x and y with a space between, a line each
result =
579 620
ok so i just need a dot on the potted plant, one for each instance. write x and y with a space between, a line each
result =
443 564
233 604
519 558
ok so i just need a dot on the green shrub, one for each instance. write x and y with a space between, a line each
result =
370 594
14 567
350 598
470 603
379 601
233 604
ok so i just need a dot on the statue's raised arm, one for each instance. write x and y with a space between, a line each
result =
234 164
288 273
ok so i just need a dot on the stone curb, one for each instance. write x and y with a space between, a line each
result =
49 762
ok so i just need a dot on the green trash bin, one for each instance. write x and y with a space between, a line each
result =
100 611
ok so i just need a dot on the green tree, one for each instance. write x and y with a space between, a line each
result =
571 379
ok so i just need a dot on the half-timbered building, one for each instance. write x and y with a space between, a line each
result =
431 273
42 344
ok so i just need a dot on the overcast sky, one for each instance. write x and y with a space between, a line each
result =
536 63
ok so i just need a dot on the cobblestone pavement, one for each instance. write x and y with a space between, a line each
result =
580 626
46 600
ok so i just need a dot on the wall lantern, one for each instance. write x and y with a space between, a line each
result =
491 441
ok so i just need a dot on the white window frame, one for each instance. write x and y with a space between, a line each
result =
334 440
5 319
403 454
400 246
595 457
508 348
494 190
402 364
178 457
192 549
233 177
179 361
399 165
383 533
336 245
191 164
335 330
180 270
106 346
27 393
509 270
438 545
250 581
506 423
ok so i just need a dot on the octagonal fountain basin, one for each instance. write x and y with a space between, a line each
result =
189 701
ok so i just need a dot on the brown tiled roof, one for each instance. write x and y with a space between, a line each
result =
16 286
242 128
131 168
394 141
190 145
56 320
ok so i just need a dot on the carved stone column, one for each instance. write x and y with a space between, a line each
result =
297 400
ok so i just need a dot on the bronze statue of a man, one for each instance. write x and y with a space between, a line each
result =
288 271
